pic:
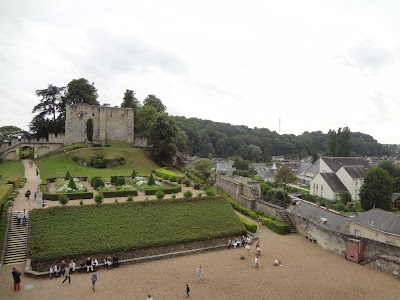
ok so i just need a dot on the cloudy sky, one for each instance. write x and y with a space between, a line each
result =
316 65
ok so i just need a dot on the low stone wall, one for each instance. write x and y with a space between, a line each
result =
268 208
377 255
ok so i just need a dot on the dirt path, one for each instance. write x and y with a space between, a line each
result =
308 272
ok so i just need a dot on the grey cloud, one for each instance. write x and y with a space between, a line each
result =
367 56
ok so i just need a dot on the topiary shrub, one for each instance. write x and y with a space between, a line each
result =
99 198
160 195
173 196
89 129
67 176
72 183
114 179
81 202
151 181
116 201
133 175
93 179
210 192
165 177
187 194
196 185
120 181
199 195
63 199
98 183
179 180
186 182
129 199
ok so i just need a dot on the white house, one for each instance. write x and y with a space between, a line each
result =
335 174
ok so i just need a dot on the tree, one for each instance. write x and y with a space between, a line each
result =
7 133
284 176
203 167
331 148
390 167
89 129
343 142
344 196
144 121
81 91
41 127
130 101
163 138
152 100
51 103
376 190
315 157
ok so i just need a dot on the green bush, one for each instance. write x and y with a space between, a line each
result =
63 199
151 180
166 177
129 199
242 209
186 182
67 176
71 196
98 183
199 195
5 192
194 177
71 183
160 195
98 162
89 129
180 168
114 179
210 192
276 226
112 194
179 180
173 196
81 202
187 194
96 145
120 181
133 175
262 214
99 198
249 225
196 185
161 172
91 180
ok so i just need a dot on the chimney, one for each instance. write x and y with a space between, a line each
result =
318 201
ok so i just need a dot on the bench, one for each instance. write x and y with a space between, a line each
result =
311 239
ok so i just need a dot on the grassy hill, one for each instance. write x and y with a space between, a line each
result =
57 163
9 168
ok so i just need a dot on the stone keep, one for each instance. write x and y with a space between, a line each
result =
109 123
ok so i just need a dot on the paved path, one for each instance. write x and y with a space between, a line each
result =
32 184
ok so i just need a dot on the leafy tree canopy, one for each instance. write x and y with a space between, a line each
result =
377 189
152 100
144 121
51 103
81 91
129 100
7 133
284 176
203 167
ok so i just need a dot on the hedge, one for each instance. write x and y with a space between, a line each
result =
242 209
71 196
249 225
5 191
276 226
161 172
3 220
14 180
173 190
111 194
262 214
194 177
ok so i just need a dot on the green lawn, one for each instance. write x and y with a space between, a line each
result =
58 165
74 231
9 168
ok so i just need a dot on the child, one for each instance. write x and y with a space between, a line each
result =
187 291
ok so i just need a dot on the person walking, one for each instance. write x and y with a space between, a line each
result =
187 291
248 249
17 278
19 216
67 273
200 272
149 297
28 193
94 279
256 263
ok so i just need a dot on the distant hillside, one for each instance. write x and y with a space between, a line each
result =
223 140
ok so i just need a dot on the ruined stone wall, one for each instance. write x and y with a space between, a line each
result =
268 208
109 123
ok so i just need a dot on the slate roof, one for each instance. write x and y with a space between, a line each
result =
303 167
309 211
356 171
395 196
379 220
335 163
333 181
314 168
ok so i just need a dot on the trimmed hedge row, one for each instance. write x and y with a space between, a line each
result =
276 226
262 214
242 209
175 189
111 194
14 180
163 172
192 176
249 225
5 192
71 196
54 179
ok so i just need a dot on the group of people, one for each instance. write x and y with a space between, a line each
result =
63 270
240 241
21 217
28 195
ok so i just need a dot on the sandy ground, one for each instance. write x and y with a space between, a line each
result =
307 272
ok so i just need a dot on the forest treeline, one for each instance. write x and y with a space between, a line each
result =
207 138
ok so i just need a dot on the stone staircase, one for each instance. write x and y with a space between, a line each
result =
285 218
16 246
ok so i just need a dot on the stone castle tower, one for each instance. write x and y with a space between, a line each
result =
109 123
